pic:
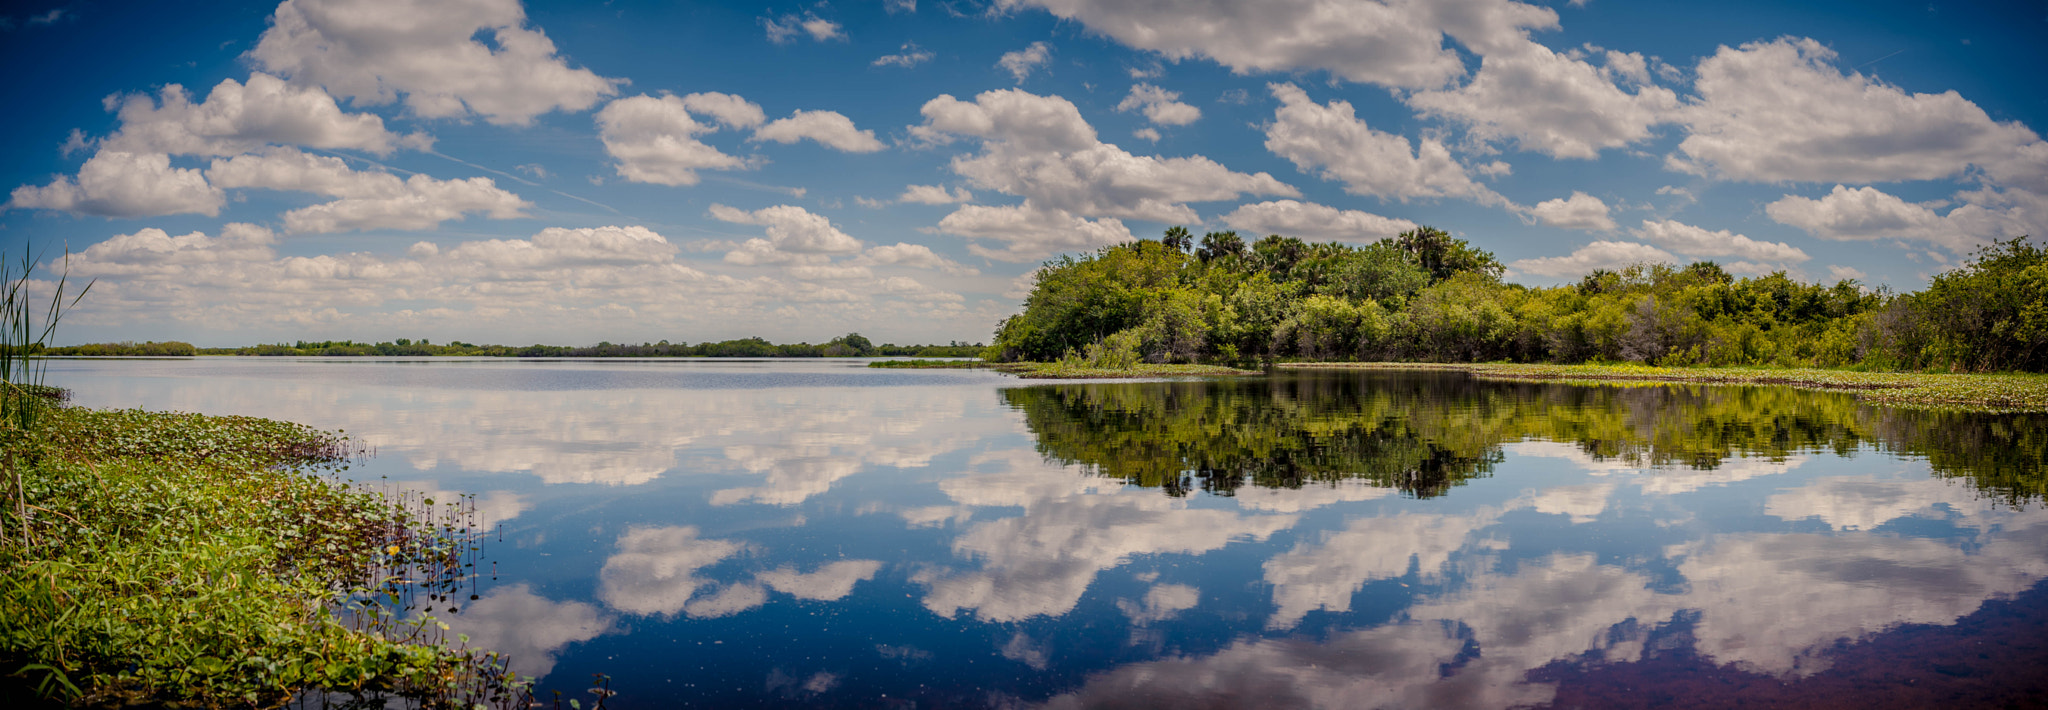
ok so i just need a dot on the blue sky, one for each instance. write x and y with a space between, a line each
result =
493 171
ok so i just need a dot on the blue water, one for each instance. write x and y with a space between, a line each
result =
725 533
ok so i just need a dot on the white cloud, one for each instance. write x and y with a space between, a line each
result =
1160 106
527 629
1028 234
116 184
794 234
1150 134
915 256
1580 211
1039 148
1161 602
372 52
1332 142
783 29
1695 241
557 247
1780 111
1597 255
1845 273
934 195
1326 573
237 118
1394 44
1309 220
1022 62
1551 103
910 55
1074 526
1867 213
828 583
154 251
370 200
654 571
728 109
654 139
828 127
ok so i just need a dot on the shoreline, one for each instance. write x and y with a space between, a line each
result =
1991 393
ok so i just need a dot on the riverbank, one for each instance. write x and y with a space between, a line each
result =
189 560
1986 393
1068 371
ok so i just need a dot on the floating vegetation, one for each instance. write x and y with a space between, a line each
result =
182 559
1958 392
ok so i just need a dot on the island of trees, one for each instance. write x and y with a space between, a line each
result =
1427 296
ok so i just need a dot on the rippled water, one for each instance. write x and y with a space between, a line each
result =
739 533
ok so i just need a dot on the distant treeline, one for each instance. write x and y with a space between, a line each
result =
849 345
126 347
1425 296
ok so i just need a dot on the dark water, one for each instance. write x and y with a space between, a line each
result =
813 533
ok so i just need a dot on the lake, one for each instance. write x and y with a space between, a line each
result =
728 533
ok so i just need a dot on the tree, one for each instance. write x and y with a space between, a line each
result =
1178 239
1216 245
1443 255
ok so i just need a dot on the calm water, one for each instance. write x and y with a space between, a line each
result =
814 533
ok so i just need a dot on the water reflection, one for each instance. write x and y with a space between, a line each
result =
817 534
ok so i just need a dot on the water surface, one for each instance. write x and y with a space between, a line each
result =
771 533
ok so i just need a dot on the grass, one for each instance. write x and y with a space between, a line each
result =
190 560
1962 392
1069 370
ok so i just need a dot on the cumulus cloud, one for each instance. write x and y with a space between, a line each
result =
654 140
913 255
1867 213
828 583
238 118
654 571
728 110
827 127
1029 234
1160 106
369 200
1039 148
429 52
1551 103
1022 62
1580 211
1780 111
1695 241
117 184
527 628
1309 220
1333 143
1597 255
1392 44
794 235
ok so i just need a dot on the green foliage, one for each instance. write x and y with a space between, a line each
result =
1989 315
208 561
1426 296
126 348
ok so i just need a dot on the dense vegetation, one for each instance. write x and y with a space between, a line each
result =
161 557
1426 432
127 348
1425 296
849 345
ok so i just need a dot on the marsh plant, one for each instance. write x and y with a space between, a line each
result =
23 398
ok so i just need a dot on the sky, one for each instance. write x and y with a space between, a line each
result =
570 172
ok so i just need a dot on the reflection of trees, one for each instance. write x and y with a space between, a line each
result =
1425 432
